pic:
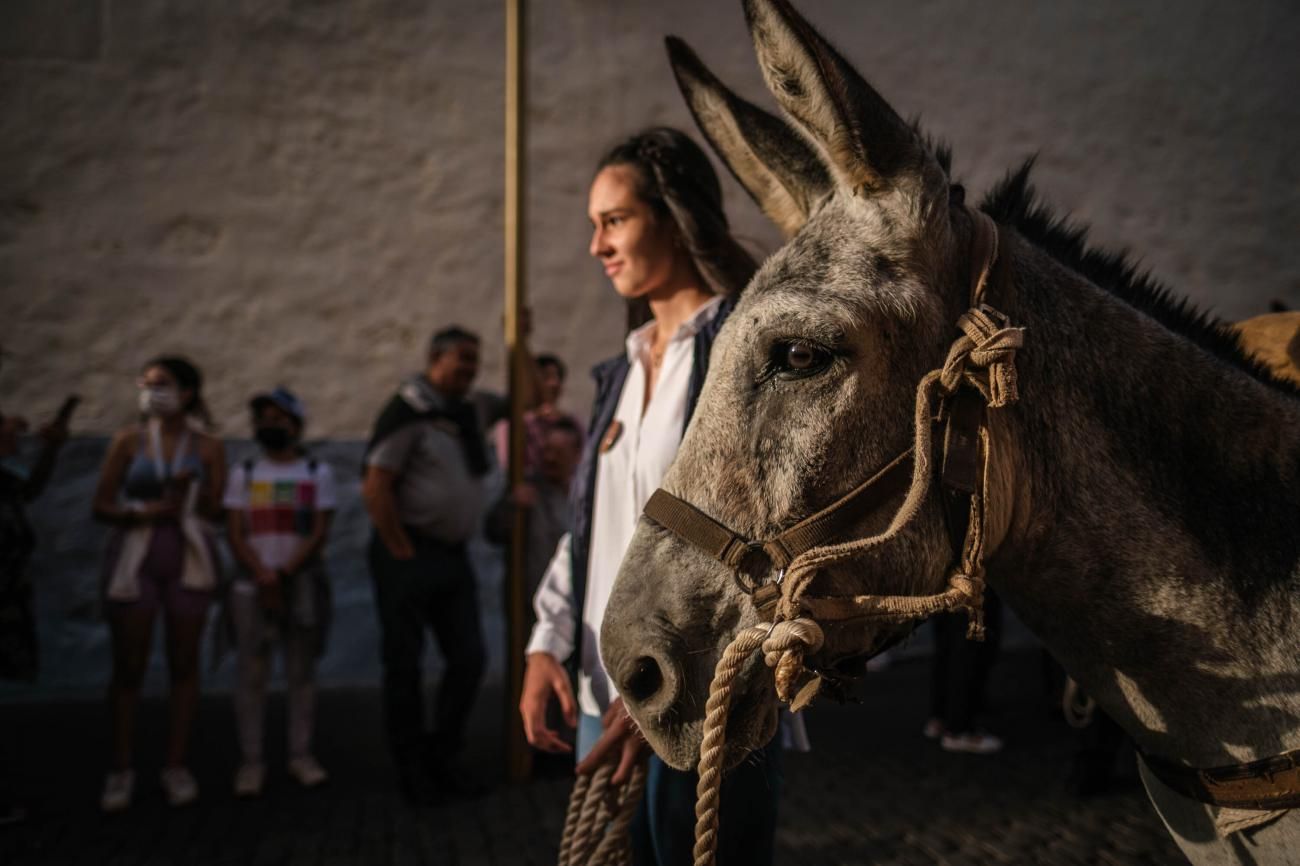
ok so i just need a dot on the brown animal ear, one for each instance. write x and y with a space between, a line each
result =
866 143
775 165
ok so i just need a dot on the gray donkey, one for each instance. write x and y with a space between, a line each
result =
1145 491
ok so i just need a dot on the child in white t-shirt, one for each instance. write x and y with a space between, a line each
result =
279 508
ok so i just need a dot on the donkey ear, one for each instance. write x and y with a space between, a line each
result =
774 164
866 143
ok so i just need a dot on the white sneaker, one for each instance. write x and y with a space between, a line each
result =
118 788
971 743
179 786
308 771
933 729
249 779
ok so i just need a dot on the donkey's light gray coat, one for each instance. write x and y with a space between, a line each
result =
1149 489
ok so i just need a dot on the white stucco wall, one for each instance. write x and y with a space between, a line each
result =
301 192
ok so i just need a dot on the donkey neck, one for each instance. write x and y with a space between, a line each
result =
1154 540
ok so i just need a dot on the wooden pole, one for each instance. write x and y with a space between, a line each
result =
517 753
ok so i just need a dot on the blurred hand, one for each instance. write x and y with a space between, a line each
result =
621 742
545 676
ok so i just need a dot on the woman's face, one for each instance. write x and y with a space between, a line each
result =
636 249
160 393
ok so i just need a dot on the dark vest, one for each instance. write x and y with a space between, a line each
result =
610 377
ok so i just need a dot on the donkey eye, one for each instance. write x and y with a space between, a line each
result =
799 358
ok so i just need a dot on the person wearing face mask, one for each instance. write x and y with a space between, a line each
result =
161 479
278 513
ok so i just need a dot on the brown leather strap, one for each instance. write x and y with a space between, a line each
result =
1269 783
731 548
688 522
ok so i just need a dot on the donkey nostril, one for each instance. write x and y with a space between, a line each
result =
644 681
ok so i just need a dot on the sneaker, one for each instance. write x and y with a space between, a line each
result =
933 729
118 788
249 778
307 771
179 786
973 743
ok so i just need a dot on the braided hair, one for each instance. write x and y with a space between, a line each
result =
675 177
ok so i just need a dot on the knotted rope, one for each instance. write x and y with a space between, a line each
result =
983 357
783 645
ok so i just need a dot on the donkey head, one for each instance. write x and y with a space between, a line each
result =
812 379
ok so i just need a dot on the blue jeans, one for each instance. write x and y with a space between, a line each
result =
663 832
589 731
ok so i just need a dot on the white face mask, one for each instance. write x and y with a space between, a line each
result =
160 401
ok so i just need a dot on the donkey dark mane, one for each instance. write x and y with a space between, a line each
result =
1015 202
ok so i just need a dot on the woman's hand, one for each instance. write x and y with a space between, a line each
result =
545 676
622 742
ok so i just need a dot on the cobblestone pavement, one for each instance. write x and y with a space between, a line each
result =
872 792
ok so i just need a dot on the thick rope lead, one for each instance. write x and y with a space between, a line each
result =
988 345
794 638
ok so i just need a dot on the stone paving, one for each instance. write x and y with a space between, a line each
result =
872 792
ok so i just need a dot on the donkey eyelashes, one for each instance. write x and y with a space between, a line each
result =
796 359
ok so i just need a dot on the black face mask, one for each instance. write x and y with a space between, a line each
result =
274 438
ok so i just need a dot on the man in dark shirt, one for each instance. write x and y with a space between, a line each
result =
423 488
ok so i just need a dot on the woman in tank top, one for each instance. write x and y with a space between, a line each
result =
160 480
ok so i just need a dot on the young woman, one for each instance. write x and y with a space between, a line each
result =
278 513
161 478
662 237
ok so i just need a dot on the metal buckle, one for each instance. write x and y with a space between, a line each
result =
750 587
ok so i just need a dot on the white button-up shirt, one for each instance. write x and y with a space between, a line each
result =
628 472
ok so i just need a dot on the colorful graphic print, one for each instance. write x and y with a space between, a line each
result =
281 507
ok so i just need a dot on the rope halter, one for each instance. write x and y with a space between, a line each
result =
978 373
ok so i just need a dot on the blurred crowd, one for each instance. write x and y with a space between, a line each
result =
169 498
661 235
